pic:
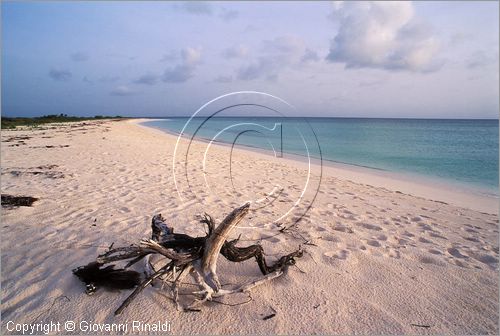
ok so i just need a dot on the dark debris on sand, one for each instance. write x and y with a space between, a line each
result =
45 171
9 201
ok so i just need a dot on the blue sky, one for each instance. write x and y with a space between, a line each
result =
355 59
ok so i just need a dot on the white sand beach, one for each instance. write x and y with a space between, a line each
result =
383 255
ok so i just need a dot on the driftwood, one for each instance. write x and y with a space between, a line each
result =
184 255
9 201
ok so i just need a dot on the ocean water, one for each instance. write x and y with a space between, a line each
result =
458 151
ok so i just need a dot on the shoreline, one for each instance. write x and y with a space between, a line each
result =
434 189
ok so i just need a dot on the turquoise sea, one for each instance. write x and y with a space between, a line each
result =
459 151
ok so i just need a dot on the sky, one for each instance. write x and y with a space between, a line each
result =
345 59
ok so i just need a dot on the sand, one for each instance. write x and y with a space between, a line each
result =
383 255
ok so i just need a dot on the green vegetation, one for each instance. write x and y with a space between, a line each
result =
52 118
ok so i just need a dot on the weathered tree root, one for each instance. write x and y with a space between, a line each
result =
9 201
195 256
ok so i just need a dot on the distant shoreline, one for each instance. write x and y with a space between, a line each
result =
404 176
440 190
13 122
317 117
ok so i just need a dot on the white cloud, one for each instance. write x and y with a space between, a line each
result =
277 55
223 79
191 56
481 59
310 56
178 74
383 35
146 79
229 14
190 59
122 91
237 51
266 66
289 46
195 7
171 56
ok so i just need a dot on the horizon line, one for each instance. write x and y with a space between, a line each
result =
239 116
336 117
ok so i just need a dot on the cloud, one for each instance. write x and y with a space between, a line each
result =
223 79
371 82
287 44
178 74
206 8
459 38
237 51
266 66
85 79
195 7
190 59
481 59
171 56
147 79
122 91
79 57
191 56
277 55
310 56
109 79
384 35
229 14
250 28
121 56
60 75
